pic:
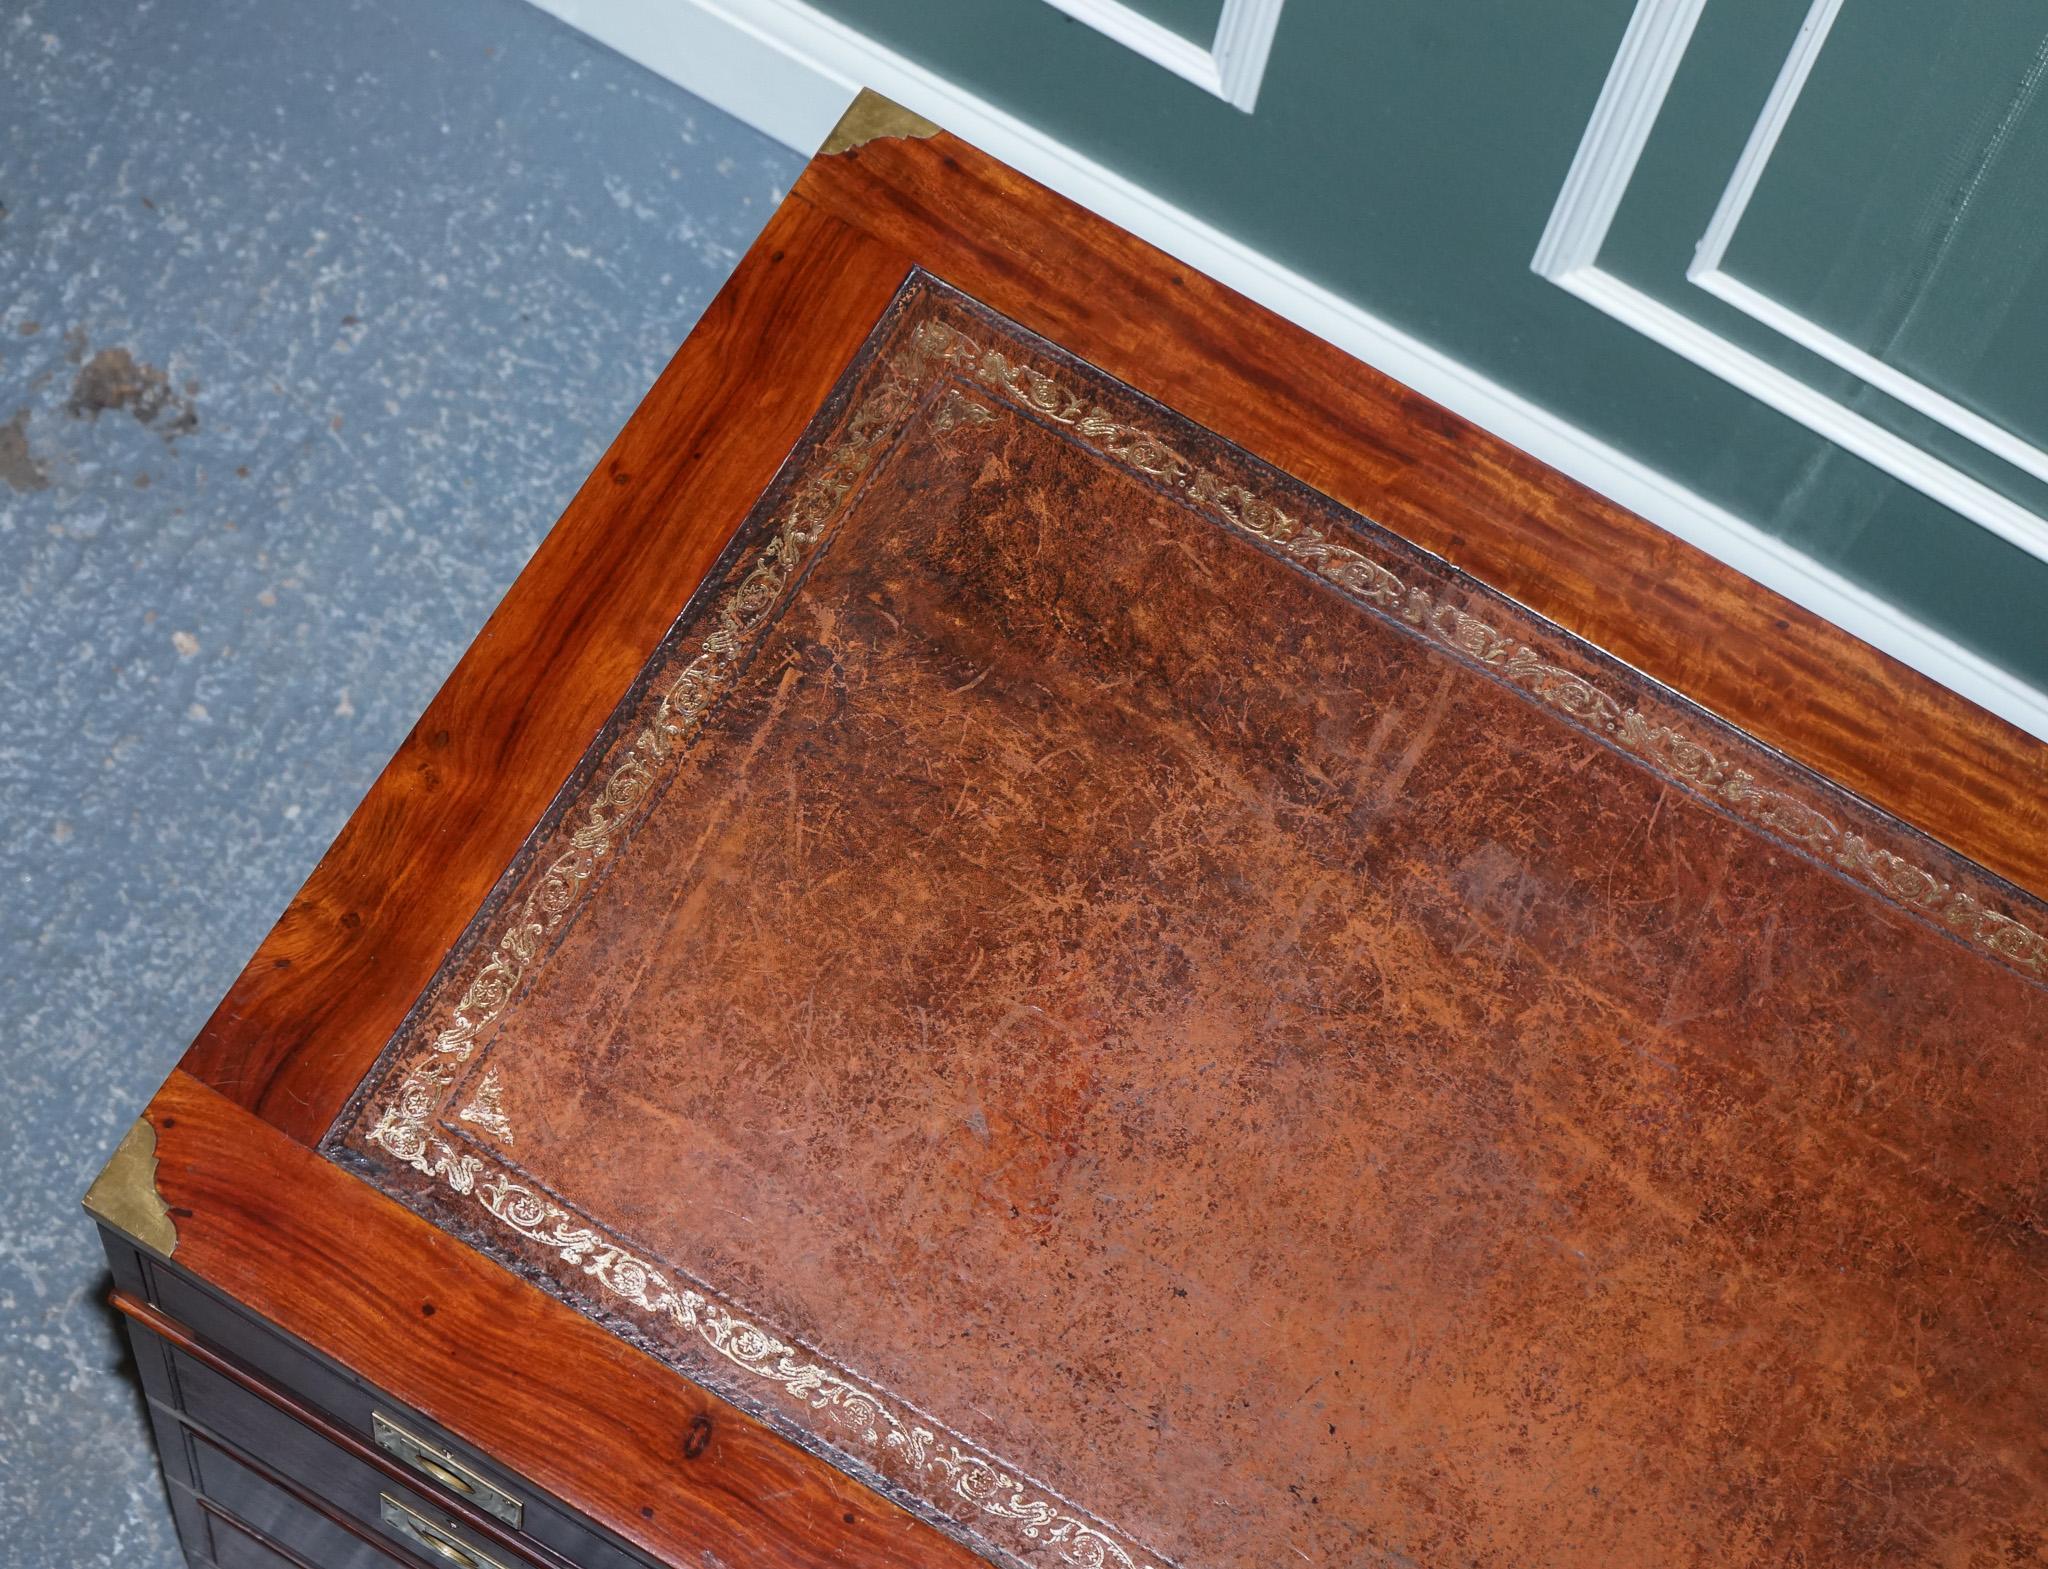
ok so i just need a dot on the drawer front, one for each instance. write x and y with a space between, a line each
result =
236 1546
431 1457
303 1458
240 1499
293 1525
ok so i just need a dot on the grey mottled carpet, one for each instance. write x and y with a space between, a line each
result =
313 316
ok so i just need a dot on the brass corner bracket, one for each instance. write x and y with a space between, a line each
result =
124 1198
869 118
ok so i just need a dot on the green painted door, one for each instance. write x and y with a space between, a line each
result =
1840 205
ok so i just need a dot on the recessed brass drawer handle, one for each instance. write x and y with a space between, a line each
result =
422 1532
445 1476
432 1461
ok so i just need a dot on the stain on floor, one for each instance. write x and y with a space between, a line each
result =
361 288
113 381
18 464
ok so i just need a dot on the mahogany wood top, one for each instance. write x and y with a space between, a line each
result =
1090 983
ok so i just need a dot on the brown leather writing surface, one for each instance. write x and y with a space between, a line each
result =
1163 1025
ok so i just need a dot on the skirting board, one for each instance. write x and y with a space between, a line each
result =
788 70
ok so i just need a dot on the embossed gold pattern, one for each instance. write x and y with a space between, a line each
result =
486 1108
876 1423
875 1428
955 408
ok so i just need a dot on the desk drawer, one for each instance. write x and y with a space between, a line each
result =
288 1527
351 1465
300 1457
347 1401
235 1546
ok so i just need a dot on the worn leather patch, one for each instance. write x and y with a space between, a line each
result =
1160 1024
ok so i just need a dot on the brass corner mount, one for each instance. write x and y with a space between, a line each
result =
123 1197
871 117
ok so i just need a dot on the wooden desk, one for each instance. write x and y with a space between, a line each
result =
1058 927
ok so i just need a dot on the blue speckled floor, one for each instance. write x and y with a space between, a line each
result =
312 315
